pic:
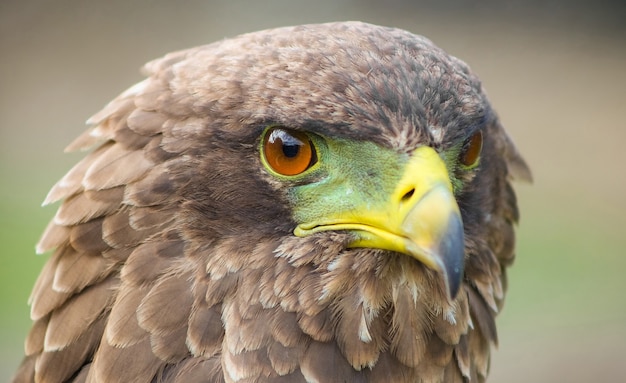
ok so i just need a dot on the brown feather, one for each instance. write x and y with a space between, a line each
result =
323 362
88 205
117 232
171 347
253 331
81 377
115 109
26 371
174 144
85 141
285 360
153 90
265 283
35 339
479 347
510 212
319 326
158 187
286 285
205 332
151 217
452 374
358 344
123 328
146 123
155 153
44 298
232 320
53 237
409 339
450 331
134 363
250 296
228 257
150 260
116 166
505 249
517 168
486 291
439 353
130 139
482 316
58 366
243 366
72 182
462 356
309 291
196 370
87 237
285 329
71 321
389 369
167 306
119 255
219 288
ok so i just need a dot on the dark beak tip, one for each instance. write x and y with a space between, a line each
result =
453 252
454 284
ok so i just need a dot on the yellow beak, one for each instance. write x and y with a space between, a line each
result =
421 219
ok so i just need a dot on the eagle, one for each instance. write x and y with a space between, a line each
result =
319 203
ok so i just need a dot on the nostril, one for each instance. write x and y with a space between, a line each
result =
408 195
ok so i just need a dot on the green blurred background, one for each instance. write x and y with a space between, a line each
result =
555 71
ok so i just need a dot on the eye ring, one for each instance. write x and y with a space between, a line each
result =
288 152
472 147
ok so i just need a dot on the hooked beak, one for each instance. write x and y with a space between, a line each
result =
420 219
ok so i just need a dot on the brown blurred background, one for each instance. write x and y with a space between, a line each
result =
555 71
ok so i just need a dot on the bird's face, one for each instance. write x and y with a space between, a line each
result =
380 147
401 202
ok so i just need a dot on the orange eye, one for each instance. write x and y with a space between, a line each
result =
471 149
288 152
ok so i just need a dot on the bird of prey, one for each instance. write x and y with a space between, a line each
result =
321 203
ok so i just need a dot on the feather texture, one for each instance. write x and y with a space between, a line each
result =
116 166
136 363
60 365
174 254
72 320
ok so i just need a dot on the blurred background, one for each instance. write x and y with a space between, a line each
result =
555 71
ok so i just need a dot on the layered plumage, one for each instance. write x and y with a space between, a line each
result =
174 253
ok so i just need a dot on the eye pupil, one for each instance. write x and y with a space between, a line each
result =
288 152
